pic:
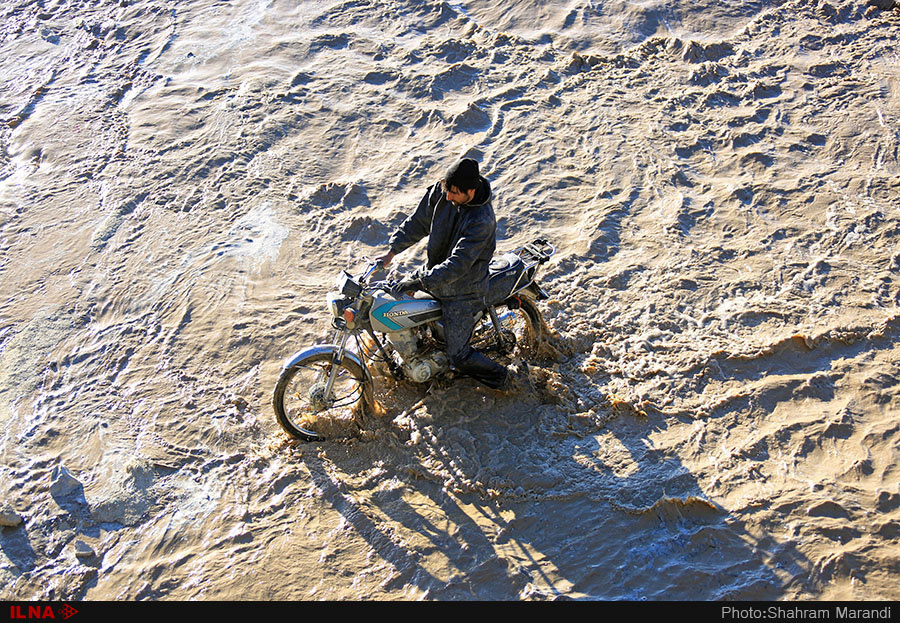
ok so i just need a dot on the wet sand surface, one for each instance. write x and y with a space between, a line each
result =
180 182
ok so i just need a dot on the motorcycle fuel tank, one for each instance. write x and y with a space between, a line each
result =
395 314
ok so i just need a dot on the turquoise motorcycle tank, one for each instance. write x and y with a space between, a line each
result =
396 314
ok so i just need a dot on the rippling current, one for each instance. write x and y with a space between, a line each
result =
714 417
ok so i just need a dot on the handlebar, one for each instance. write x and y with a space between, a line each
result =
371 267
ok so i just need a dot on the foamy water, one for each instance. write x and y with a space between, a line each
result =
181 182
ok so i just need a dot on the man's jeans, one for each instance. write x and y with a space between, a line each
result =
459 321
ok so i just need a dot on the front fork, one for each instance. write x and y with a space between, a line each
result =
336 365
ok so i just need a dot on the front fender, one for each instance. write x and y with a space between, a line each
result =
330 349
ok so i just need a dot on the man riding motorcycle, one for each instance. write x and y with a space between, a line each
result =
457 216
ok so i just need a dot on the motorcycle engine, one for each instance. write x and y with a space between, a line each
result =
417 366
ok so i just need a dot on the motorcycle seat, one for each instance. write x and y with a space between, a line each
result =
504 273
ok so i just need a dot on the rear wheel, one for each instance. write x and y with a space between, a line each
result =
302 407
522 329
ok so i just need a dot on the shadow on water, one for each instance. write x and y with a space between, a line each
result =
340 496
441 528
664 537
16 546
537 513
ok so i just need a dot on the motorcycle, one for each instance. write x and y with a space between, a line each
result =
335 380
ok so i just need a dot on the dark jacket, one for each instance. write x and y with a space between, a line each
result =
461 241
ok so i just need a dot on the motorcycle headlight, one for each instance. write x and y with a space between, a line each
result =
337 304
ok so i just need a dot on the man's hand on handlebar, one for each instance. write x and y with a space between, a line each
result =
407 284
385 260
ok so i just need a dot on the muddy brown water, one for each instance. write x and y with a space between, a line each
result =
181 182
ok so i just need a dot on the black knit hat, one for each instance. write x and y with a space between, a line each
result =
463 175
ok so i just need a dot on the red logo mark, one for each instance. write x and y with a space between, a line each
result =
39 612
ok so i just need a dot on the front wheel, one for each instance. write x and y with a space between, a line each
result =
305 408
